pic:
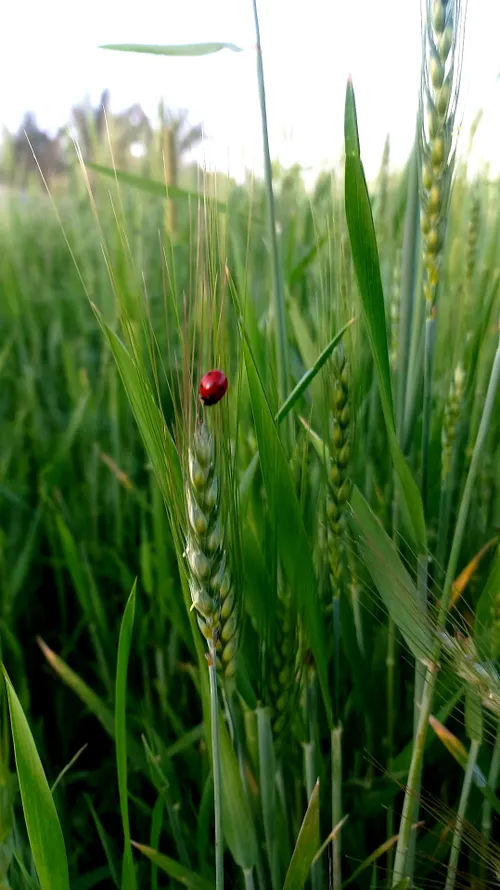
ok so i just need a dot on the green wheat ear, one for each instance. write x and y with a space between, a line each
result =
438 106
472 234
451 418
339 488
395 310
284 668
211 585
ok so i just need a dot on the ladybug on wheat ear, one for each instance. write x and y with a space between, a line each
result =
213 387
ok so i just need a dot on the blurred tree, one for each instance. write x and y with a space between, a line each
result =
96 127
179 137
31 151
128 134
88 124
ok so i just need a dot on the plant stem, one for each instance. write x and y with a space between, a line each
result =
336 655
407 289
249 881
390 663
400 863
214 719
443 529
414 371
336 804
280 785
459 825
310 762
486 814
430 327
278 292
422 578
267 782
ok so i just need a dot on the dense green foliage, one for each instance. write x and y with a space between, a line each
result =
108 318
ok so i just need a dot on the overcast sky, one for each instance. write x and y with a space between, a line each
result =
50 59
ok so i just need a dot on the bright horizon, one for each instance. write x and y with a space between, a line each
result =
307 59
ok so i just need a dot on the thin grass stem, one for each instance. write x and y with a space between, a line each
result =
459 825
278 291
407 290
214 717
430 328
443 527
336 805
310 760
390 663
486 822
249 881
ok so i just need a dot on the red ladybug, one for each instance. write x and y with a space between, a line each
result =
213 387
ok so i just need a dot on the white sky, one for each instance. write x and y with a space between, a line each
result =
49 60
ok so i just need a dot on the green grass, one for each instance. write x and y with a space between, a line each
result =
108 323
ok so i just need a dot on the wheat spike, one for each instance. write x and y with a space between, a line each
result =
440 81
450 420
472 235
395 309
284 667
339 482
210 581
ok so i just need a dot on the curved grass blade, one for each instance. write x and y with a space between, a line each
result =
267 782
83 580
401 763
298 270
42 822
96 705
68 766
366 262
278 295
459 752
486 607
128 873
237 821
306 846
155 434
174 869
466 575
156 828
155 186
105 843
293 545
380 851
182 49
395 586
309 376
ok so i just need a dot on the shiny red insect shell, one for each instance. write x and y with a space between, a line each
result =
213 387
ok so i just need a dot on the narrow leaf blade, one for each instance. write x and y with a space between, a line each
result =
42 822
297 559
393 582
306 846
154 186
174 869
367 266
237 821
185 49
459 752
309 376
124 643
